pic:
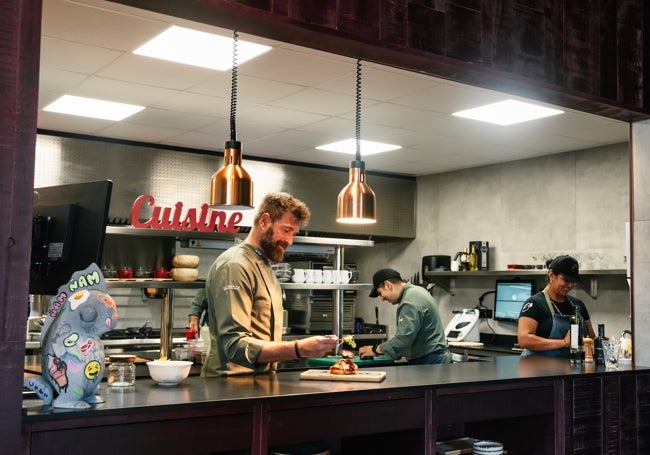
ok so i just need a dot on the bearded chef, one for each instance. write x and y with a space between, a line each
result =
245 298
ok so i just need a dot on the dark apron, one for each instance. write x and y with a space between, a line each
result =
560 327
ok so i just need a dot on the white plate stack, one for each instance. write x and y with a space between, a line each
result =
484 447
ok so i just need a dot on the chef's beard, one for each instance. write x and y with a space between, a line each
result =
274 250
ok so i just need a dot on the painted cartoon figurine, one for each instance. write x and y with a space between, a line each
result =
73 355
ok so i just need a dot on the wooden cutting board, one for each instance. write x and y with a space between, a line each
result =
360 376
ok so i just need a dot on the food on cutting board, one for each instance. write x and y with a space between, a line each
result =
344 366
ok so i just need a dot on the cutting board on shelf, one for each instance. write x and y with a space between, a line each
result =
359 376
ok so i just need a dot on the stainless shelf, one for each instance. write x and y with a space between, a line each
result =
299 239
447 280
332 287
516 272
128 230
130 342
169 286
157 284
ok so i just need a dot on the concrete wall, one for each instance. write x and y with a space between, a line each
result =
641 247
575 202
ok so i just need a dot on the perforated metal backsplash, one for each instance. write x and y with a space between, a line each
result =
171 176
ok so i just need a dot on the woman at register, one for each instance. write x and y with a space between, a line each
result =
544 320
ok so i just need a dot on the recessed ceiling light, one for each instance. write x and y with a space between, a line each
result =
192 47
508 112
349 146
89 107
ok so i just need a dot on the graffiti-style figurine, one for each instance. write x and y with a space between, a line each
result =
73 355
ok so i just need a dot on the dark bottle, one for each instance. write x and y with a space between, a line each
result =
576 349
598 345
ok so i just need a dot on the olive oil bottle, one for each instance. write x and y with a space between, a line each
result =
473 258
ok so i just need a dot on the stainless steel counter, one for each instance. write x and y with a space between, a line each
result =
409 409
197 390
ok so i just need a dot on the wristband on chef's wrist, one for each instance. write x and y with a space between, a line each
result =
374 349
295 347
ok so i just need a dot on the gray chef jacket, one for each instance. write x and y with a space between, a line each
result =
244 309
419 328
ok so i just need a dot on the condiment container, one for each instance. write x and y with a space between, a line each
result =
125 272
588 343
121 371
625 346
142 273
197 350
161 273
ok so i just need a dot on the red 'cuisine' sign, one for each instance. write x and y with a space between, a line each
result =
172 219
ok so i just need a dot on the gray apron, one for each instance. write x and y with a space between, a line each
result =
560 327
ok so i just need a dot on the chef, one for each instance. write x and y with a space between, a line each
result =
420 336
543 327
245 297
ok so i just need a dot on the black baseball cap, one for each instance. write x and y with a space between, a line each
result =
380 276
567 266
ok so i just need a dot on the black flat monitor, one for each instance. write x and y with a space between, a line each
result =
68 229
509 297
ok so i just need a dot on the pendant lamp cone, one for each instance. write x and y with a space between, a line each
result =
356 202
231 186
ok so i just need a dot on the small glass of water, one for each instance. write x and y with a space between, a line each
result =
610 351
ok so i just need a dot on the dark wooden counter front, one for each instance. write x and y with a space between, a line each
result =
532 405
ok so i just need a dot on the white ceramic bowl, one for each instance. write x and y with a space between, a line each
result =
169 372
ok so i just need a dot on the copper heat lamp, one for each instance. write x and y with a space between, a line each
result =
356 202
231 186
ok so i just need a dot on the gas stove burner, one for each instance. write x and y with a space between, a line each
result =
132 333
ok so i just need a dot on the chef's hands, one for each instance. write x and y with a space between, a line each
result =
367 352
317 346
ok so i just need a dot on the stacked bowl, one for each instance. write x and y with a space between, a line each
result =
282 271
186 267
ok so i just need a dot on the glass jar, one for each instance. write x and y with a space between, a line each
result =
625 353
121 371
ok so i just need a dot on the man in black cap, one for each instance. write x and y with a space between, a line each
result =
544 320
420 336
